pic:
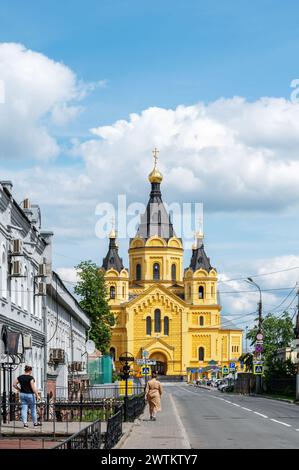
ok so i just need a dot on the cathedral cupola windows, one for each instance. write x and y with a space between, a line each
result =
138 272
148 326
156 272
166 326
201 321
173 273
201 292
157 321
112 292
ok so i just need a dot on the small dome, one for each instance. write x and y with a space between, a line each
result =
112 234
155 176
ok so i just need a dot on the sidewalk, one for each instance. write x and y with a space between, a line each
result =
165 433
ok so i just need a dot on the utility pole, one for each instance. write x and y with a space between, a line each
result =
259 337
296 331
246 339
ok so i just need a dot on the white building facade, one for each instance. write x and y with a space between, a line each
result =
29 304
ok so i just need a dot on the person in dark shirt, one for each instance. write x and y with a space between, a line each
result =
25 384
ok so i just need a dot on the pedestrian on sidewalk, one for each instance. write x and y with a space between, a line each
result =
25 384
153 394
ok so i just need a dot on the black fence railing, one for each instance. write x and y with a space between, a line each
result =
133 407
88 438
65 418
61 411
114 429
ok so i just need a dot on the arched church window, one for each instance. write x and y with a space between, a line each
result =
173 272
201 292
166 326
157 321
201 321
112 353
148 326
112 292
156 271
201 354
138 272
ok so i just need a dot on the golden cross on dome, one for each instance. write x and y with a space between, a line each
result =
156 156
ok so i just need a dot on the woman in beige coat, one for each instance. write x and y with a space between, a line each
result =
153 394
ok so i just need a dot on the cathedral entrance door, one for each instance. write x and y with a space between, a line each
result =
161 363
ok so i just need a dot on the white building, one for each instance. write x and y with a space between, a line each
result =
37 313
67 327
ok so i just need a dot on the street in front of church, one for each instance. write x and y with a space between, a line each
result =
202 418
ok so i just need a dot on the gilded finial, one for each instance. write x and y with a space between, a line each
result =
113 232
156 176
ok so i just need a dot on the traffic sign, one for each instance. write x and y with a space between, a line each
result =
146 370
258 369
146 362
225 370
232 365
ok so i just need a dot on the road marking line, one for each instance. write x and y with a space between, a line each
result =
190 391
236 404
260 414
180 423
247 409
284 424
226 401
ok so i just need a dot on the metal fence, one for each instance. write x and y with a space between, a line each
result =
96 392
133 407
89 438
61 411
64 418
114 429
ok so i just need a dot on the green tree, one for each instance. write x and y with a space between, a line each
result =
247 359
93 294
278 333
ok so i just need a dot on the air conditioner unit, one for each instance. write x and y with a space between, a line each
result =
57 356
42 289
42 270
16 269
17 247
76 366
27 341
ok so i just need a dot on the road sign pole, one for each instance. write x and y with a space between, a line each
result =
126 393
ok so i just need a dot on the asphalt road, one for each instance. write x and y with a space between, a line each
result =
215 420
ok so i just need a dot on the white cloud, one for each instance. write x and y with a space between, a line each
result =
38 92
230 153
68 275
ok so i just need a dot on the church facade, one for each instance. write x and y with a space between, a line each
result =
171 313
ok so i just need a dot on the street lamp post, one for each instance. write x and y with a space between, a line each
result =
259 336
125 359
297 348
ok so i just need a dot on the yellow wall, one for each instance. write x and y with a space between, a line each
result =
180 349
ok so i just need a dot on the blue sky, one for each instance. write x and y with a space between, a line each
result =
160 55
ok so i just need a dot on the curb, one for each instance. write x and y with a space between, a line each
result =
285 400
127 434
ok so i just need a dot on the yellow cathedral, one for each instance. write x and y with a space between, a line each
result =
171 314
